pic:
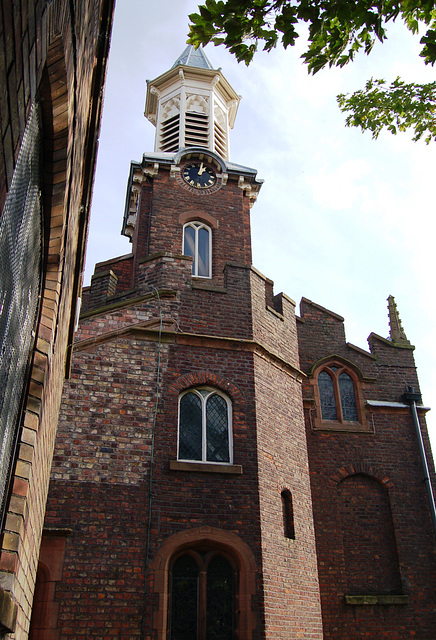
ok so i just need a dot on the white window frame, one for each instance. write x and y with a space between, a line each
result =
204 393
197 225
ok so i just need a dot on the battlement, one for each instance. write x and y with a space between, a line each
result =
321 335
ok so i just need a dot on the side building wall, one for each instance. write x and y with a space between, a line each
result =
52 64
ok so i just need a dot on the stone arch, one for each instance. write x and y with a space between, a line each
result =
207 378
364 469
212 157
202 216
354 369
197 103
228 542
170 108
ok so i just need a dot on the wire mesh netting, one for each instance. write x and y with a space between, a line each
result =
20 276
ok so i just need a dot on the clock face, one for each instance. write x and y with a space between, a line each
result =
199 175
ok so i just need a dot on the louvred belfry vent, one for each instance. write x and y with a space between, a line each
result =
196 130
170 134
220 140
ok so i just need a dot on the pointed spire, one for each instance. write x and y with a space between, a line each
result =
396 331
192 57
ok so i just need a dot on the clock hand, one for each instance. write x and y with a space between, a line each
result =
201 170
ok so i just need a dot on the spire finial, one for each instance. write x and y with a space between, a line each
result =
396 331
193 57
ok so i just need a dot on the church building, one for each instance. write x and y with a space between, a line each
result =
227 466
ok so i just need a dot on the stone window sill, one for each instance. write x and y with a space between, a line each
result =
364 600
206 284
346 427
206 467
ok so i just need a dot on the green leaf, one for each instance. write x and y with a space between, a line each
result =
338 31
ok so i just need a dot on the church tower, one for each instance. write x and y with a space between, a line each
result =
182 478
225 469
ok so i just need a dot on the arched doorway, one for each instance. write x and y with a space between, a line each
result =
205 579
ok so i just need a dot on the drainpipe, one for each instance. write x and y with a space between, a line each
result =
411 397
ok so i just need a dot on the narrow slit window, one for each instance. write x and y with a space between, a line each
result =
288 515
21 234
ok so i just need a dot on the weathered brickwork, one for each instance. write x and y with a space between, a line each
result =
223 332
372 521
54 53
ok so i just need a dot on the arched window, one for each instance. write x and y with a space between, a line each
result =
202 596
205 431
197 243
288 515
337 395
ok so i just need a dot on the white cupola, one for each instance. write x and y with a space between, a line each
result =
192 105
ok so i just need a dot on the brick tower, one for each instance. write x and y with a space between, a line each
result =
180 504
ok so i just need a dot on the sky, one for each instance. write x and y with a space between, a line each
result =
341 219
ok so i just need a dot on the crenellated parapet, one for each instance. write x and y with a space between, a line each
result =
274 321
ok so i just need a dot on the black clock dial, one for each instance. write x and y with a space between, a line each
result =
199 175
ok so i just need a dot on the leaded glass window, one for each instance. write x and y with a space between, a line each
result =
20 282
205 426
202 601
337 395
219 599
327 395
348 397
197 243
190 427
184 598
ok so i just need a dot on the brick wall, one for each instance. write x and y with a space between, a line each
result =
372 521
40 45
216 332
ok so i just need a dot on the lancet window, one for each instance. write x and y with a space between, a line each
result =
197 243
337 395
203 585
